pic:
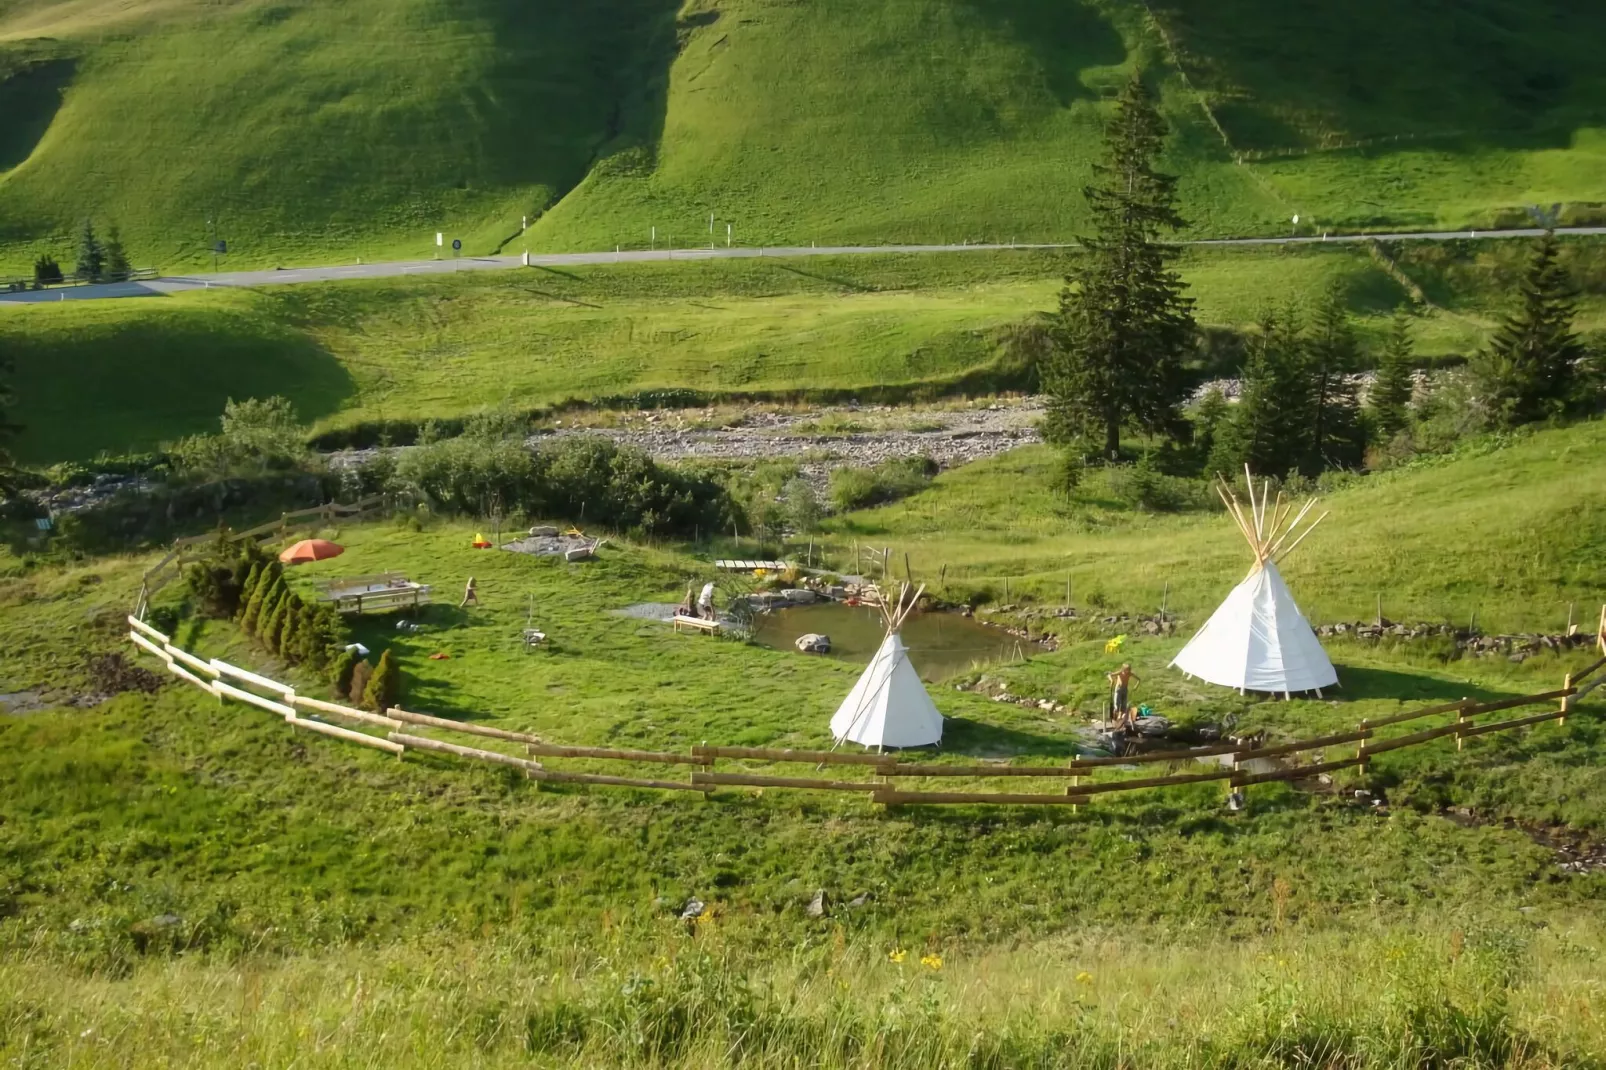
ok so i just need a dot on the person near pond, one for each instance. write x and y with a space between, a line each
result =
1120 682
705 602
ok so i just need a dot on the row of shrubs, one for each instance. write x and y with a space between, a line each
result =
249 587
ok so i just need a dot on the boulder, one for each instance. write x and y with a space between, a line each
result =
816 907
799 595
814 643
545 530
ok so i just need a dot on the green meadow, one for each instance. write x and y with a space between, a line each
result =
189 883
113 376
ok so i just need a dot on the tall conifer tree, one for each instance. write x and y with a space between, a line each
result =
1389 401
1529 370
1124 325
1331 354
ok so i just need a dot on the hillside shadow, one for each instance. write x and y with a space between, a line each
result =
1064 38
575 84
29 100
1512 73
133 381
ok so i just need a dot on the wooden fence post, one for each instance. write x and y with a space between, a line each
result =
1566 700
1461 720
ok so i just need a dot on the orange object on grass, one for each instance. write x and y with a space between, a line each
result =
311 550
481 542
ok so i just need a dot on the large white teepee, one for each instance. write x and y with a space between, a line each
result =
889 706
1258 640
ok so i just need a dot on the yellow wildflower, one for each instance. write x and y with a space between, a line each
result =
933 961
898 956
1084 978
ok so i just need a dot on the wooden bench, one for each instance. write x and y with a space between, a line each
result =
696 624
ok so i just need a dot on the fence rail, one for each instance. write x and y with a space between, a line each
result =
882 768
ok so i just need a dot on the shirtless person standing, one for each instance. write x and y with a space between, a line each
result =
1120 681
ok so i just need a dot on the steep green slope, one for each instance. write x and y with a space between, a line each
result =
303 130
317 132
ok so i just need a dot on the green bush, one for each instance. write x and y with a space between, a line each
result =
383 688
340 670
857 488
586 480
358 686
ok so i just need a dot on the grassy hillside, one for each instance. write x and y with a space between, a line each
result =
329 901
310 132
404 348
1510 534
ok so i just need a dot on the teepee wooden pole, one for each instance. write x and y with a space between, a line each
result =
1254 505
1304 533
1276 547
1235 510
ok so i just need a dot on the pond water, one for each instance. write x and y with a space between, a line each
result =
940 644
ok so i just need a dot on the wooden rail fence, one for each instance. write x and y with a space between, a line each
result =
225 681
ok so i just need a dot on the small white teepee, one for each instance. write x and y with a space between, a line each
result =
1258 640
889 706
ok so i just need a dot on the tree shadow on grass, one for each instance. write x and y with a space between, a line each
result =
1064 38
846 284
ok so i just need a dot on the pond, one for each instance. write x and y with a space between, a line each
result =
940 644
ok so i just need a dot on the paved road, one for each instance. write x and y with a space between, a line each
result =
179 283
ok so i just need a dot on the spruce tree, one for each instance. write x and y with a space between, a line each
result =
117 266
1269 428
289 628
270 608
383 688
1331 354
358 688
321 639
1389 402
91 254
248 590
1124 326
340 673
271 632
251 615
1211 412
1529 370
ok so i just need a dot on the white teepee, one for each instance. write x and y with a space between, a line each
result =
889 706
1258 640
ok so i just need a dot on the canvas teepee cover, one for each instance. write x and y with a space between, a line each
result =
1258 640
889 706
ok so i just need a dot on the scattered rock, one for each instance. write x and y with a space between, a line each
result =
800 596
859 900
694 909
553 545
543 530
816 907
166 921
814 643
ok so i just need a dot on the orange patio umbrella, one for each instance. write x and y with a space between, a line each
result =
311 550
